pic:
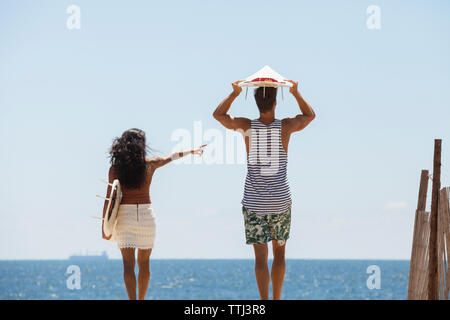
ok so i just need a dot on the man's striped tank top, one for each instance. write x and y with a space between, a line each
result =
266 187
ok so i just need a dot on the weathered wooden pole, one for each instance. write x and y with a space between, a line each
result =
433 280
423 190
444 206
413 264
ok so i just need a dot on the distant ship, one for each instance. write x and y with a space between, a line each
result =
103 256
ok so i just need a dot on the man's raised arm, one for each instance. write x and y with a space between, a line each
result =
300 121
221 112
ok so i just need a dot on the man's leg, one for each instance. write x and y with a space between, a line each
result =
278 269
262 270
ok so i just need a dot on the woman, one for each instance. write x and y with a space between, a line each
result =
135 228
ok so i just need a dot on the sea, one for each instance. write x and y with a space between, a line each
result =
203 279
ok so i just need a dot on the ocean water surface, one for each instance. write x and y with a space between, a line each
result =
202 279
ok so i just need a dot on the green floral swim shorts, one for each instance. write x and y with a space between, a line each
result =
262 228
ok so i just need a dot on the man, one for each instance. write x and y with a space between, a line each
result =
267 200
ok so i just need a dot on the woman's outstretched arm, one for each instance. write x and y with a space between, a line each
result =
158 162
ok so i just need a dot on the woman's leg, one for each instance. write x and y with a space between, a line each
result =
128 272
278 269
144 271
262 270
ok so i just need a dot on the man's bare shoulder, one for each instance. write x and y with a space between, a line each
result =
297 123
243 123
286 123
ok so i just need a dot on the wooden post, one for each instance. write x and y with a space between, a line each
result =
413 264
433 280
445 206
440 248
424 224
423 190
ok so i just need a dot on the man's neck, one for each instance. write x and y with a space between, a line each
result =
267 117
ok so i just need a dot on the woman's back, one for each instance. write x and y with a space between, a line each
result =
139 195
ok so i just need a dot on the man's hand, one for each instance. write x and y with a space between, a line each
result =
294 88
236 88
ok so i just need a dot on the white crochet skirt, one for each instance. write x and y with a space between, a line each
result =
135 227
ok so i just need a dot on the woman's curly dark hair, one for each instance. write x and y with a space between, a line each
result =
128 158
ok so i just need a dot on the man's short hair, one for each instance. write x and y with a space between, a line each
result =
265 98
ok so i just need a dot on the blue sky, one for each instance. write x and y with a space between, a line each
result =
381 98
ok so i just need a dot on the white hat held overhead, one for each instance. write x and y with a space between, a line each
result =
266 77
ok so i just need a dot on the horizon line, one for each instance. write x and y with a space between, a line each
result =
251 259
